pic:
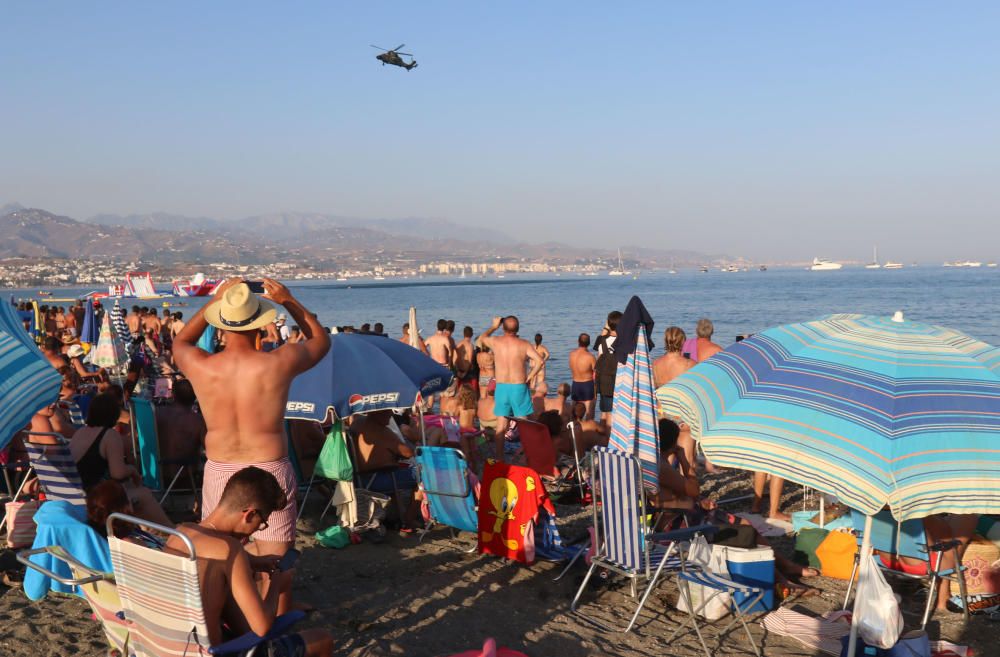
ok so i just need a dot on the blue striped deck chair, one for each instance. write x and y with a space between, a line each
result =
444 476
717 586
162 604
909 539
55 468
626 544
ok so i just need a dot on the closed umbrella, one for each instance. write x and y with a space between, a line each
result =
362 374
633 416
120 325
91 330
414 330
877 411
28 382
110 351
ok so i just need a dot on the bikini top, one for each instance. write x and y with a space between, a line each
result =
93 467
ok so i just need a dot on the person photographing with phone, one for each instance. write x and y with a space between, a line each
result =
238 593
242 393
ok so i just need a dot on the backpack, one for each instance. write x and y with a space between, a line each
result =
606 368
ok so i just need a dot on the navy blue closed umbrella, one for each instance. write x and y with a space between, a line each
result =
362 374
90 332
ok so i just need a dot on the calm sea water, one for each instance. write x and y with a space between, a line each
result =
738 303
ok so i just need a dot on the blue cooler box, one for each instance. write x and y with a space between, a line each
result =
755 567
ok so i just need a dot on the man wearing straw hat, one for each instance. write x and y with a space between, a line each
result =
242 393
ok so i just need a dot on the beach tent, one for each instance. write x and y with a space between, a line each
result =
633 416
877 411
28 382
362 374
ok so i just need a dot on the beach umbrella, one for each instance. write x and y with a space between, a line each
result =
27 381
121 326
110 351
90 331
414 330
633 415
361 374
877 411
207 340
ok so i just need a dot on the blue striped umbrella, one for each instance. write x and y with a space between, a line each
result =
27 381
876 411
633 414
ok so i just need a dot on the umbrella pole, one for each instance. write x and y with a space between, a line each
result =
865 553
420 415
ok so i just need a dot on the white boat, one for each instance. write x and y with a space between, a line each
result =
874 263
730 269
822 264
703 269
991 264
892 265
621 267
971 263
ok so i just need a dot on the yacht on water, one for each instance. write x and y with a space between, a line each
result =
621 267
892 265
874 263
703 269
822 264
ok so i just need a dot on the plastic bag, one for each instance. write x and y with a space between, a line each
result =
876 609
334 536
711 558
334 462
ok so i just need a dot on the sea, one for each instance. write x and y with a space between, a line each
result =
561 307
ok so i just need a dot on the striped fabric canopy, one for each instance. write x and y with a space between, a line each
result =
633 419
27 381
874 410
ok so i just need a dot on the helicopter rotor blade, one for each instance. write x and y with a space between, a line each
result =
403 53
378 48
398 47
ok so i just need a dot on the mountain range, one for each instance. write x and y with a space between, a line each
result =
322 239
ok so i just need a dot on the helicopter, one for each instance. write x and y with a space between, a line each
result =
393 57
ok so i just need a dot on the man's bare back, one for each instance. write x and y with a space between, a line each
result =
243 392
463 356
439 348
582 364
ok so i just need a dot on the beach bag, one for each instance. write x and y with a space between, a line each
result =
334 536
372 508
876 609
20 522
806 544
606 369
713 560
836 555
334 462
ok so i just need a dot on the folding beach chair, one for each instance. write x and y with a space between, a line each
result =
162 604
58 564
908 539
55 468
625 541
444 477
540 455
148 455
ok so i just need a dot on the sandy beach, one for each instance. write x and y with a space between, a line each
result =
429 599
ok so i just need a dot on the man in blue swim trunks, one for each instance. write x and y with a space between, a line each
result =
581 365
512 397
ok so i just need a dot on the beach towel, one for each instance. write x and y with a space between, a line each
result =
767 527
817 632
63 524
508 511
20 523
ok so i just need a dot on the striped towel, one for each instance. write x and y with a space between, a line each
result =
820 633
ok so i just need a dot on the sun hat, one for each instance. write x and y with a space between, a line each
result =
239 310
281 317
76 351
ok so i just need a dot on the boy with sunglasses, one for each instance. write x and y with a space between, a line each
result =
237 589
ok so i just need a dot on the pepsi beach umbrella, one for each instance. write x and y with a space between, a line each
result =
90 332
362 374
27 381
633 415
876 411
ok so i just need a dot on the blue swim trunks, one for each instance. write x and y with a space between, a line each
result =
512 400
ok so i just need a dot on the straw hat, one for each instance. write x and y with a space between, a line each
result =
239 310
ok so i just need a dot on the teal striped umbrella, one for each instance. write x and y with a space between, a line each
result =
876 411
28 382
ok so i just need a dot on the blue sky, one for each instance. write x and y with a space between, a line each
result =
781 130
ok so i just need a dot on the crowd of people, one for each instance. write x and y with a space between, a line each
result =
227 407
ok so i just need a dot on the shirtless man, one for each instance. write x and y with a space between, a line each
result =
406 338
177 325
706 348
226 574
559 402
581 365
379 452
543 351
464 351
439 345
71 326
52 350
150 322
181 431
487 418
486 368
243 392
510 353
134 322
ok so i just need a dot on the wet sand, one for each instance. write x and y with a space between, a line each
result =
430 599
